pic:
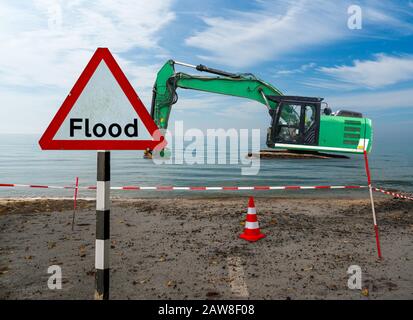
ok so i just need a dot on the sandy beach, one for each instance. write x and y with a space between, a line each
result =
188 248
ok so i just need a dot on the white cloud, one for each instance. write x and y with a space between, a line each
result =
48 42
301 69
222 111
373 101
382 71
23 112
283 28
217 104
323 83
248 38
45 45
387 15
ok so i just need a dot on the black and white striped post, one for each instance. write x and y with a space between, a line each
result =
102 226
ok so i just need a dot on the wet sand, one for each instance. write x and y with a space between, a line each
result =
188 248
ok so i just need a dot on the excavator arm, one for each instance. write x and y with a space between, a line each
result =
238 85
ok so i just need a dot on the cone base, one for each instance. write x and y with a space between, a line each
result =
252 238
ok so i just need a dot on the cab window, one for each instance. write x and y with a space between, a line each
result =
309 117
289 123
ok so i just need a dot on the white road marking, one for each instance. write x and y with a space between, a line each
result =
237 277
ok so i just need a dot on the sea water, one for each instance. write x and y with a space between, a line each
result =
23 162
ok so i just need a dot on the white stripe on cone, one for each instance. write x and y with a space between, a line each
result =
251 225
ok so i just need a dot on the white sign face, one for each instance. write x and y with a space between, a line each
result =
102 111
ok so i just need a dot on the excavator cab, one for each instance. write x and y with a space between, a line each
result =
298 124
296 120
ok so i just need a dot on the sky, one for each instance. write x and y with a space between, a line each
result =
301 47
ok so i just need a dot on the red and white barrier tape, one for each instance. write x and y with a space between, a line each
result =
193 188
394 194
234 188
202 188
35 186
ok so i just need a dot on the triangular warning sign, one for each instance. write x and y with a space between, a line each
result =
102 112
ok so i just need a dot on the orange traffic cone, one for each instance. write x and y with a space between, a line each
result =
252 230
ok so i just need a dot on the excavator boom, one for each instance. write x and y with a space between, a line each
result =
230 84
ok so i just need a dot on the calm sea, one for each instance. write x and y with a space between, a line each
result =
22 161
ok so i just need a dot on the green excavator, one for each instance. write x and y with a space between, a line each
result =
298 124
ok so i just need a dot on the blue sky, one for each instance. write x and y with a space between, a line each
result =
301 47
